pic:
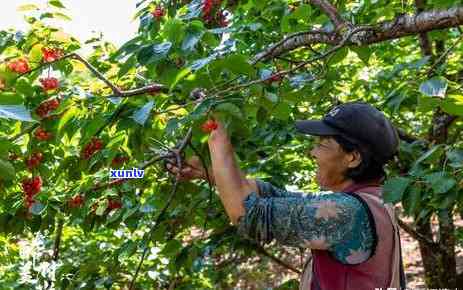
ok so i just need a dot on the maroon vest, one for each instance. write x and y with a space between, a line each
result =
380 270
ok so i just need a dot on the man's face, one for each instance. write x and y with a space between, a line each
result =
332 162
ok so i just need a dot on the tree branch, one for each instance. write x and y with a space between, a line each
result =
116 91
401 26
417 236
331 12
425 44
280 262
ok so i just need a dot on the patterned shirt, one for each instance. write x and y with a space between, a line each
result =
336 222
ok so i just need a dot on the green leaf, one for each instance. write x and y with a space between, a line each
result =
15 112
67 116
440 182
24 86
37 208
363 52
413 200
10 98
153 53
127 250
102 206
7 171
394 189
429 156
28 7
338 56
61 16
89 130
141 115
237 63
435 87
282 111
56 3
35 54
199 63
193 36
180 75
174 30
231 109
455 157
453 106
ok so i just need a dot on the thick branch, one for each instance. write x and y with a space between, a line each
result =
419 237
425 44
331 11
403 25
116 91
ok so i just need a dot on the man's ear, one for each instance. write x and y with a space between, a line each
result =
355 158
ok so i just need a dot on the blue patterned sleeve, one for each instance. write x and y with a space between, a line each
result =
336 222
266 189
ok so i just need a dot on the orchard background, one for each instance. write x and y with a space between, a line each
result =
65 120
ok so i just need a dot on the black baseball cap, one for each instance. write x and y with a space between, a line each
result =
359 123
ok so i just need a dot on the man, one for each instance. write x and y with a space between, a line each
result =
353 235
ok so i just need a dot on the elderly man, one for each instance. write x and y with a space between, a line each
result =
353 235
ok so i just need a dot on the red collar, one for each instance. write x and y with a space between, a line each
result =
356 186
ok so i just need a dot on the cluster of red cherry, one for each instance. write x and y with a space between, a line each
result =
209 17
51 54
42 135
31 186
91 148
49 84
19 66
34 160
46 107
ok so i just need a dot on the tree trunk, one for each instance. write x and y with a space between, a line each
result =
428 256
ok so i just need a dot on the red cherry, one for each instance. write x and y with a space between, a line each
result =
209 126
91 148
49 84
34 160
32 186
158 13
51 54
76 201
118 160
274 78
114 204
19 66
42 135
53 104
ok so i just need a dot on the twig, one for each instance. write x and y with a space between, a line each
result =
59 233
116 91
179 160
25 131
285 72
280 262
331 11
442 56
